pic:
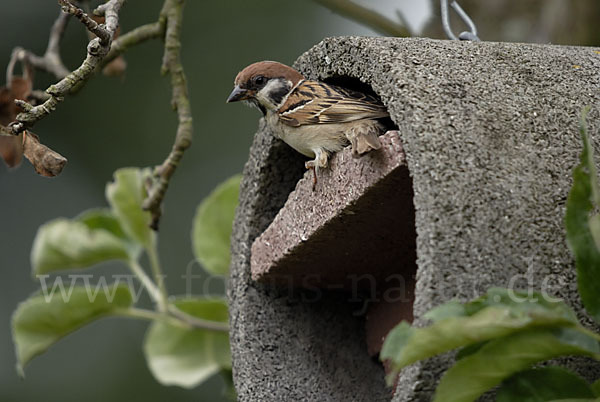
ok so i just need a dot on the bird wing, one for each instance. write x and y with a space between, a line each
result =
313 102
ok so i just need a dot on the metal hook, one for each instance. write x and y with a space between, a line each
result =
472 35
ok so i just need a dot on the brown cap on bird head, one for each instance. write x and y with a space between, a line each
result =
249 80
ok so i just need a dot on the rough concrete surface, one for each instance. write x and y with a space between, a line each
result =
351 202
490 136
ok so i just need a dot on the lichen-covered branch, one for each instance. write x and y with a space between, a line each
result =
97 49
90 24
101 50
365 16
172 14
110 11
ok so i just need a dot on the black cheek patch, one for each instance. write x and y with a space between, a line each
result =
278 95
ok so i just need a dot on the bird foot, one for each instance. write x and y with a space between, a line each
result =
312 166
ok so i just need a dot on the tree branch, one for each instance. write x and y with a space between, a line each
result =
365 16
51 61
101 51
172 13
134 37
91 25
97 49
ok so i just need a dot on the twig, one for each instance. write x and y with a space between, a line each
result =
97 49
175 317
365 16
197 322
151 315
91 25
136 36
110 11
39 96
51 61
172 13
150 286
18 56
102 50
158 276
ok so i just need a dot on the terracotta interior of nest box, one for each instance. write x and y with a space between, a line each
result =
366 247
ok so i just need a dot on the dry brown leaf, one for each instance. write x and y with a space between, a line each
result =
45 161
11 148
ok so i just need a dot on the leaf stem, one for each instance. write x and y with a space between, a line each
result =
158 277
198 322
151 315
150 286
174 317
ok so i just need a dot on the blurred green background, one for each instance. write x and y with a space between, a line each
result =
117 122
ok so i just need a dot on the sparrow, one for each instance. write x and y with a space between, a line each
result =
314 118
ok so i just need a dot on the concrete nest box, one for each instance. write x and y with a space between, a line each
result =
469 194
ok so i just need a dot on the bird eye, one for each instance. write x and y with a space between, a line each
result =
259 80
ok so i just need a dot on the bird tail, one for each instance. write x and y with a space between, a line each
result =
365 137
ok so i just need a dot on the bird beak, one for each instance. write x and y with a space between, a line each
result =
238 94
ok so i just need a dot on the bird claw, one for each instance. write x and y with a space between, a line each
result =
311 165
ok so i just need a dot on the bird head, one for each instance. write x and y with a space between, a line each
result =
265 85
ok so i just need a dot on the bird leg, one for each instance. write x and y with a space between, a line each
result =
311 165
320 161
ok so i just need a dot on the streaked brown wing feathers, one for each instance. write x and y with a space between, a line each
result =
312 102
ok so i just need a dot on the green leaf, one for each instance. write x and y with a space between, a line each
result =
582 226
520 303
66 244
396 342
229 391
125 196
405 345
42 320
450 309
500 358
101 218
213 222
594 222
469 349
542 385
186 356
